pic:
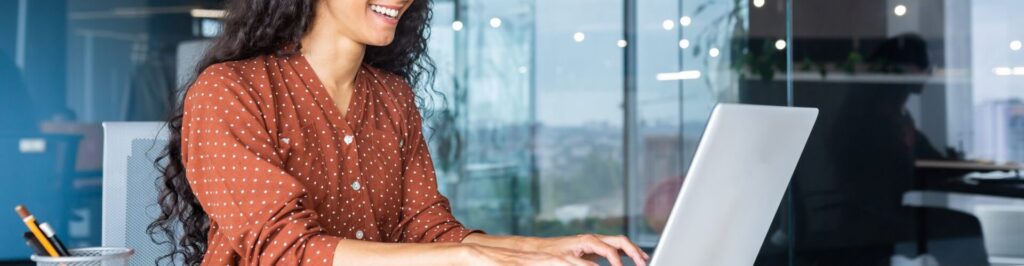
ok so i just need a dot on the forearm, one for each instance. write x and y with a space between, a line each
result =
509 242
357 252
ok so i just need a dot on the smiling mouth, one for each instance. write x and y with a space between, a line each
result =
392 13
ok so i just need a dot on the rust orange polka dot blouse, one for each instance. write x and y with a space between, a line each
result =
284 176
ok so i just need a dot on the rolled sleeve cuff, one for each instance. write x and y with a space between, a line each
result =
320 250
455 234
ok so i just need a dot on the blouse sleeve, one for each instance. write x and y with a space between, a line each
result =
237 176
426 214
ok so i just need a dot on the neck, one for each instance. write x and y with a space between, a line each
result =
334 57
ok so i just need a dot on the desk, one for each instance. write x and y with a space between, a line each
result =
935 175
941 184
966 165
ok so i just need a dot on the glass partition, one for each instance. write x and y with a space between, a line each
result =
482 134
914 156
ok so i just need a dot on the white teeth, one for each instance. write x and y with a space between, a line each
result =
384 11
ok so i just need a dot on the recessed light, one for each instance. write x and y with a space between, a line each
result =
685 21
668 24
579 36
900 10
780 44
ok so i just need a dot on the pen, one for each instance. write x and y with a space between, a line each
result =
30 222
52 236
30 240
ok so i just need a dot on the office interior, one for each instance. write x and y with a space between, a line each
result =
562 117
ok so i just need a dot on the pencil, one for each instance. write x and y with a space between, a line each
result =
30 222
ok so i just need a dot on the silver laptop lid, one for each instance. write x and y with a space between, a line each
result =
734 186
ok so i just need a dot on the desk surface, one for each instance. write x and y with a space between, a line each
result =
948 176
966 165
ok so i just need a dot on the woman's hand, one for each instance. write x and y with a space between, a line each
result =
587 246
592 247
485 255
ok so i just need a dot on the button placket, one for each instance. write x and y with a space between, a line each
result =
356 186
348 138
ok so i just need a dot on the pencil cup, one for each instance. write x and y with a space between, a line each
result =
96 256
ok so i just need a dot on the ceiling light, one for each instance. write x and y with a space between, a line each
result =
681 75
685 21
668 24
780 44
207 13
900 10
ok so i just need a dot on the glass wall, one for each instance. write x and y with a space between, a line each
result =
561 117
591 116
482 134
913 157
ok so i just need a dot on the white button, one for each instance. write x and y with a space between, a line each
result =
356 185
285 140
359 234
348 139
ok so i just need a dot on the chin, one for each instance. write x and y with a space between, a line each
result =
381 40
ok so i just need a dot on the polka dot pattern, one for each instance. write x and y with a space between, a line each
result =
284 175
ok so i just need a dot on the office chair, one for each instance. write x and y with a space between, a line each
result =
130 187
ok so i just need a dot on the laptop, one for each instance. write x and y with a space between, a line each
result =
734 185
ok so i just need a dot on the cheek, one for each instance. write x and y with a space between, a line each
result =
362 25
353 13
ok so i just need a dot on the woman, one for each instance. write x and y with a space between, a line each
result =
299 142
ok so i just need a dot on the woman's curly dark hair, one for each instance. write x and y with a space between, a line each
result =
258 27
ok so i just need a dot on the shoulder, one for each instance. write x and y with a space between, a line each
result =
236 80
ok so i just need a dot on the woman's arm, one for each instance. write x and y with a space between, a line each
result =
577 246
256 209
357 252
